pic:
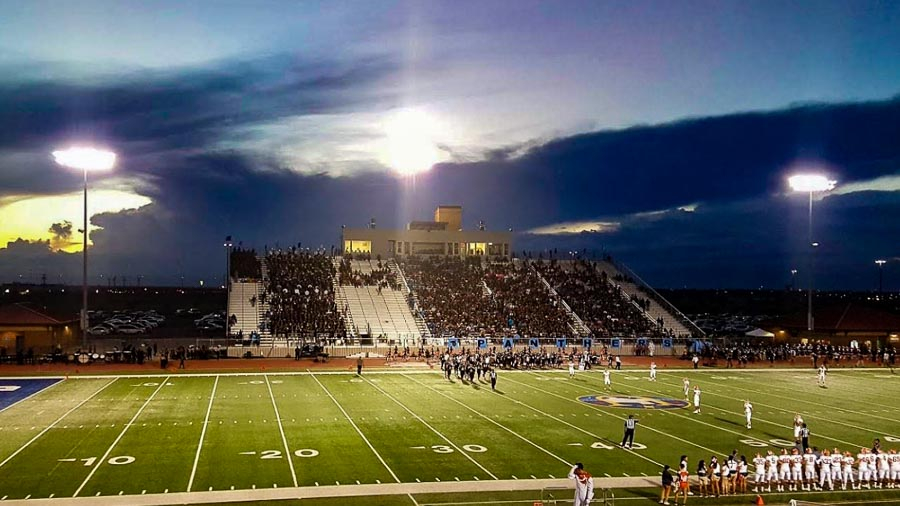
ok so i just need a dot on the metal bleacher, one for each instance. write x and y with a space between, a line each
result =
375 313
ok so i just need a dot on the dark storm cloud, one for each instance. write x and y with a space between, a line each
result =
719 159
147 114
742 233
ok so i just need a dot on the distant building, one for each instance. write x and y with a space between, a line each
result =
443 236
23 327
840 324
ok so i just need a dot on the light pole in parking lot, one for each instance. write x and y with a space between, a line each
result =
228 244
810 183
880 263
86 160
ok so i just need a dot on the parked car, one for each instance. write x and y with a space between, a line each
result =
99 330
130 329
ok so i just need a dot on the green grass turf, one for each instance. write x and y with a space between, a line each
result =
142 435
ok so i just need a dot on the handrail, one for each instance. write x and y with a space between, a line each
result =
583 329
662 301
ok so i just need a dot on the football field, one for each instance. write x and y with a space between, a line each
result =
411 435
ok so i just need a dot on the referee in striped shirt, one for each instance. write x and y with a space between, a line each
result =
628 440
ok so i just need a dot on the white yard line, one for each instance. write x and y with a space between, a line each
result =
67 413
419 418
355 427
212 397
121 435
20 401
507 429
589 433
287 450
740 416
830 407
724 429
666 434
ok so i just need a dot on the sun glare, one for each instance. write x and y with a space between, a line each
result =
410 142
32 217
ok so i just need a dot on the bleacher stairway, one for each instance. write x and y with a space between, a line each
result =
243 303
670 319
377 314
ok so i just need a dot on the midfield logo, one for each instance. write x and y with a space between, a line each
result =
634 402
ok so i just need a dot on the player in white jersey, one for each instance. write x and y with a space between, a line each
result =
809 469
696 399
847 473
687 388
748 411
771 470
882 463
798 424
836 460
784 470
652 371
796 469
607 381
864 474
895 469
825 470
571 369
871 459
759 478
822 372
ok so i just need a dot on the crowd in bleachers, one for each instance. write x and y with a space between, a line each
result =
525 302
451 297
245 264
380 275
600 304
300 293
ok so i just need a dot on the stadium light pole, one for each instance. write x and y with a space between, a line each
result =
87 160
810 183
880 264
228 245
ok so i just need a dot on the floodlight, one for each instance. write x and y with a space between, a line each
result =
811 183
86 159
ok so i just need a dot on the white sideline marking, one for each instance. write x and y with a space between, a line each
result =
41 433
445 438
287 450
202 434
363 436
114 443
498 424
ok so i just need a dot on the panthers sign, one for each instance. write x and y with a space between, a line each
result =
639 402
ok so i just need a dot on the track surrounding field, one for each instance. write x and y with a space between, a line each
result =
239 437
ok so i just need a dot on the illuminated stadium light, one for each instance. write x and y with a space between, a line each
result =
86 159
811 183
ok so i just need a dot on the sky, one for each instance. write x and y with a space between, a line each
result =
661 133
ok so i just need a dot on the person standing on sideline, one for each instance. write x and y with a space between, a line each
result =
607 381
804 437
798 424
684 483
822 372
359 362
667 481
618 363
584 484
652 371
748 411
493 378
571 369
696 361
696 399
628 438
